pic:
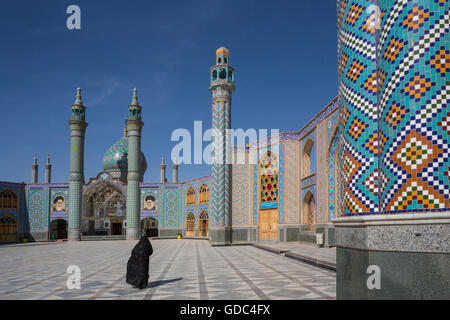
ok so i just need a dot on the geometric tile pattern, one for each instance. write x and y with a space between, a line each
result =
292 194
413 106
407 86
240 196
358 104
221 172
37 209
332 176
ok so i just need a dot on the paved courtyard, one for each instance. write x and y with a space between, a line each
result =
179 270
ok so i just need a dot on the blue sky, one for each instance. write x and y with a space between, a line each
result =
284 53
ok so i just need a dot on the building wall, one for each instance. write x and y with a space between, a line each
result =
240 195
322 173
292 182
18 214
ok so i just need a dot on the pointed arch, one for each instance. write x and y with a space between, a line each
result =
333 174
307 155
190 197
190 225
203 194
309 210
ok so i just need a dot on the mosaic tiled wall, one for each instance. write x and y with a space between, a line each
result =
240 196
38 208
358 102
172 212
332 177
393 95
321 158
414 105
292 181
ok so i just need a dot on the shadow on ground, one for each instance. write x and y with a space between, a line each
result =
162 282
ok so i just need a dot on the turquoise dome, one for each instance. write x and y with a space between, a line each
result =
115 161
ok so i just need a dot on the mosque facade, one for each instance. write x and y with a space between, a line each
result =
380 148
286 193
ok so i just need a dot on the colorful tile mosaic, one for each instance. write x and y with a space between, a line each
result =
411 136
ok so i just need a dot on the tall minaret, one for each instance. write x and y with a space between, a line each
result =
48 171
222 87
162 168
76 178
34 170
134 127
175 171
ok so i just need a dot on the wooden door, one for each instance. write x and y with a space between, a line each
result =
190 225
268 224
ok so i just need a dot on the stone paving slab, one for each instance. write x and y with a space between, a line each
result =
186 269
321 257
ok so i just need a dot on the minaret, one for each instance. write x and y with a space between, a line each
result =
34 170
76 178
134 127
162 168
175 172
222 87
48 171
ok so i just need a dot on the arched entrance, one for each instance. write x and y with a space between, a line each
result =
203 223
8 229
150 227
103 202
190 225
58 229
309 210
116 227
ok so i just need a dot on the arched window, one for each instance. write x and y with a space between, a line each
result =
190 225
8 200
190 196
203 194
269 177
308 158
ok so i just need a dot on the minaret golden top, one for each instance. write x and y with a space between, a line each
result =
222 51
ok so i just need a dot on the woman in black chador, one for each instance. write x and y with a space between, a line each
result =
137 266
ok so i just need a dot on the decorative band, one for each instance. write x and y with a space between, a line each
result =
217 99
133 133
77 133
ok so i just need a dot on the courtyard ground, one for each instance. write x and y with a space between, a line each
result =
179 270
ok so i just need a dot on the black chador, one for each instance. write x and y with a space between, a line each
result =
137 266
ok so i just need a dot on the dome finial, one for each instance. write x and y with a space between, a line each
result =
34 159
134 101
125 132
48 159
162 160
78 97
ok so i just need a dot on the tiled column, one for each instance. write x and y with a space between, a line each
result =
222 87
76 179
394 98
